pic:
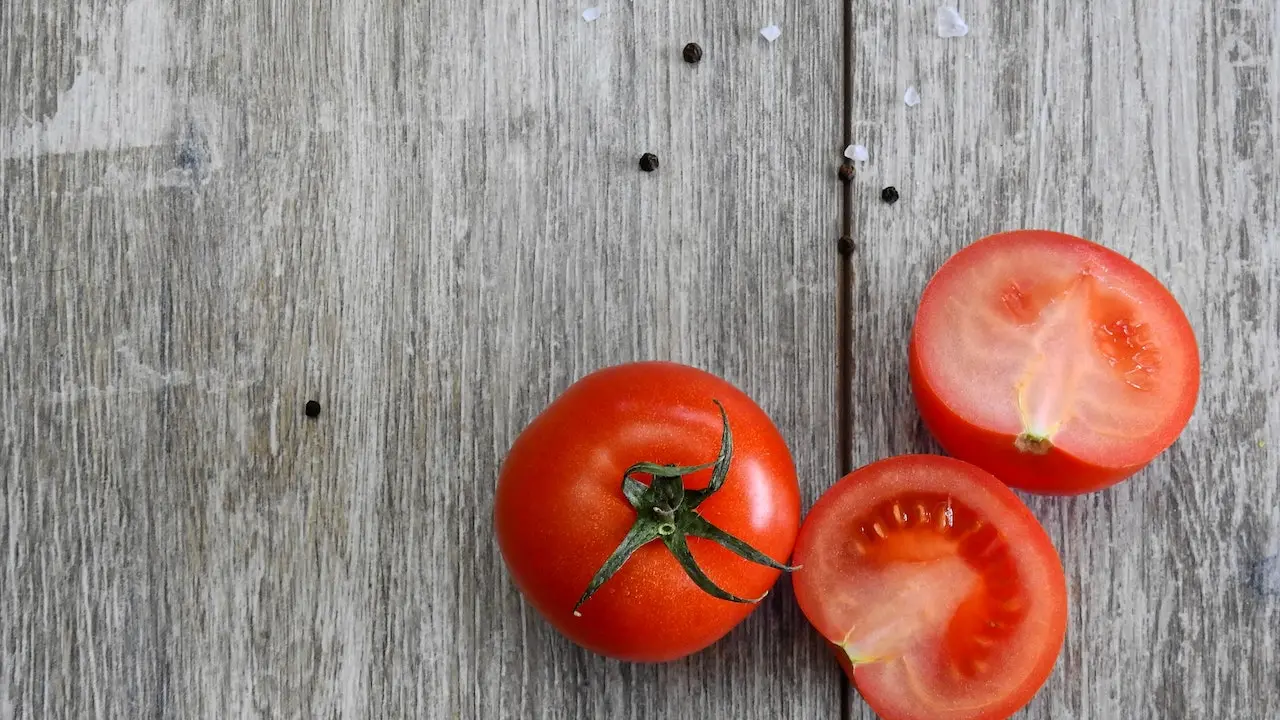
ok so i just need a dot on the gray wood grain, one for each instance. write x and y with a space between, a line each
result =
428 217
1152 129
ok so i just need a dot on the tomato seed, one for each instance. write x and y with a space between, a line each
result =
899 515
946 518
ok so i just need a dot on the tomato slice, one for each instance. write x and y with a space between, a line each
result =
1056 364
937 584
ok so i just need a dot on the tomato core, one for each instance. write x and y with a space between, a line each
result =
954 576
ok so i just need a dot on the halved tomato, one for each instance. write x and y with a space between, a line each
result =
938 586
1058 365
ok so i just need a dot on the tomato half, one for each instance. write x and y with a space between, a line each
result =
561 513
1056 364
937 584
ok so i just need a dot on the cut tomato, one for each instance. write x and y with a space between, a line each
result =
1056 364
937 584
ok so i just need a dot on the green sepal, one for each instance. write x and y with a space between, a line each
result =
679 547
666 510
639 535
699 526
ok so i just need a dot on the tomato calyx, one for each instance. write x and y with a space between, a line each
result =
667 511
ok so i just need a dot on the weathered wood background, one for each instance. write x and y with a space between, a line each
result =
428 217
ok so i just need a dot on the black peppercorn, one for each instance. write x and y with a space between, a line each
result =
845 172
692 53
648 162
313 409
889 194
845 245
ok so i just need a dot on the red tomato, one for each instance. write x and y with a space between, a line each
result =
560 512
1054 363
938 585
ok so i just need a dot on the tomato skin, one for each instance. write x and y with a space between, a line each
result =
828 581
559 510
1053 470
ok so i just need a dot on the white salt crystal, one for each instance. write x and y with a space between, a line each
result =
950 24
1267 573
592 14
857 153
912 98
771 33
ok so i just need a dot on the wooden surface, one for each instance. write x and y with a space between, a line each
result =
428 217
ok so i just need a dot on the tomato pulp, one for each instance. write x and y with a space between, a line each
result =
1056 364
937 584
561 513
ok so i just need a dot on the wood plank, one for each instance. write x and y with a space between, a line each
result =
1151 129
723 258
427 217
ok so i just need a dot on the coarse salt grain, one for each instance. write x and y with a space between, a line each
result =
771 33
950 24
857 153
592 14
912 97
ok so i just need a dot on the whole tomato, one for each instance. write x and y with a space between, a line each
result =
646 510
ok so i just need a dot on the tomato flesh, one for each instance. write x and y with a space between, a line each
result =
1055 363
937 584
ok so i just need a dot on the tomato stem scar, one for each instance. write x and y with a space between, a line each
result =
666 510
1032 443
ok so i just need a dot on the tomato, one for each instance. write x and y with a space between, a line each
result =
1054 363
937 584
671 564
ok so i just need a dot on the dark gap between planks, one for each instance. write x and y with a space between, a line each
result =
846 276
